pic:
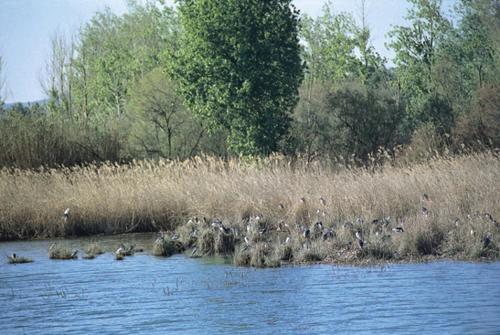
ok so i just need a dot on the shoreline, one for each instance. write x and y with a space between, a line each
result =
268 211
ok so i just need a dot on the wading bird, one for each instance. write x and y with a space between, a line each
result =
66 214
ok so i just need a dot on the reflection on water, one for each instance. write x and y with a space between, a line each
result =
149 295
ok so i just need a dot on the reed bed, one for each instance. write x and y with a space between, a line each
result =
459 194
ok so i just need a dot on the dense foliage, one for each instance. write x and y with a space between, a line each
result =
228 77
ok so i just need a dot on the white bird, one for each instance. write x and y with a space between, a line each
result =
66 214
288 239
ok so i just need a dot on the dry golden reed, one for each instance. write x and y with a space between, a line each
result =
150 196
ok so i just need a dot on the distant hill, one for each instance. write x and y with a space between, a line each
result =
28 104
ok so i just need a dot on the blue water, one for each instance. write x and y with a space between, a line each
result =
148 295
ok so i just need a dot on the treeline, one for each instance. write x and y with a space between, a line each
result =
260 78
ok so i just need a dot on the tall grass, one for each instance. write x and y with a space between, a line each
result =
149 196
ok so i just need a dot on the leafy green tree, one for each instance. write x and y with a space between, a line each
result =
239 68
329 46
416 48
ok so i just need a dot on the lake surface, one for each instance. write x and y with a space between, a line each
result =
149 295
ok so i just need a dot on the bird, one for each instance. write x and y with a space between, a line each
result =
263 231
74 254
303 200
425 197
375 221
487 240
121 250
318 225
359 234
322 201
13 256
328 233
66 214
288 239
306 233
224 229
247 240
425 212
398 229
281 206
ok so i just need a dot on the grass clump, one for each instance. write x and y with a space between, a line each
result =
14 259
313 252
92 250
57 251
165 246
224 243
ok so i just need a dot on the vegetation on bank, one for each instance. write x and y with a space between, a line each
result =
267 211
233 77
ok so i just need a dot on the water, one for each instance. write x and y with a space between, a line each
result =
149 295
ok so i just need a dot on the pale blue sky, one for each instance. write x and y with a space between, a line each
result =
26 27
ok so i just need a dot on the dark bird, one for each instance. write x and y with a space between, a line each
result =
281 206
425 212
224 229
327 234
74 254
13 256
487 240
398 229
306 232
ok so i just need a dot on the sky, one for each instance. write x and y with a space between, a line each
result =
27 25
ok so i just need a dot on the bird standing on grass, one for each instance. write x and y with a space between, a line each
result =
359 238
66 214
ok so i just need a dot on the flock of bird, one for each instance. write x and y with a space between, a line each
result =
257 228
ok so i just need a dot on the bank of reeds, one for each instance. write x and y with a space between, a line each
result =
445 207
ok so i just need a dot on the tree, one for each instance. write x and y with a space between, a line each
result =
416 47
239 68
160 125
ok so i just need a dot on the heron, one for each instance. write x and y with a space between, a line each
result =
487 240
121 250
66 214
306 232
425 212
328 233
